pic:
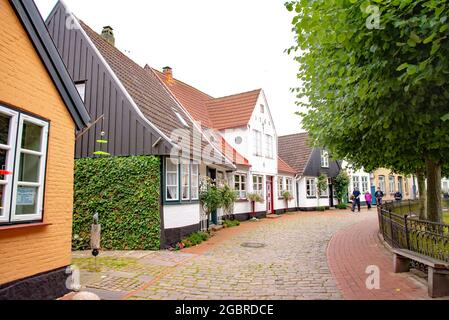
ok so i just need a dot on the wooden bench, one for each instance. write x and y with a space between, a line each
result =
438 280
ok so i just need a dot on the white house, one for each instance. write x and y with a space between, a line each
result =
359 179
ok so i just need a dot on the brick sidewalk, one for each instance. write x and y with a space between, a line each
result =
353 249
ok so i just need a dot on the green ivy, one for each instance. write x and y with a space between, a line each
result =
125 192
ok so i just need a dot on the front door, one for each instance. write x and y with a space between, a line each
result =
269 194
212 174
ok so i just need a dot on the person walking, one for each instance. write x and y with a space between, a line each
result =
368 199
398 196
379 196
356 199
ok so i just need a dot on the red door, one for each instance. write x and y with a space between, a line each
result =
270 201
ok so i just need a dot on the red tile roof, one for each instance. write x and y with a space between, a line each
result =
283 167
233 111
295 150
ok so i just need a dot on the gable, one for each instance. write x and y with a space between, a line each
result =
33 24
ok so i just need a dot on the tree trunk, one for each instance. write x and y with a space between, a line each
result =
420 176
434 206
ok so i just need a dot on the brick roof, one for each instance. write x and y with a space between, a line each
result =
283 167
233 111
147 91
295 150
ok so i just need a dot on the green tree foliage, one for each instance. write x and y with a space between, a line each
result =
341 185
228 198
125 192
382 87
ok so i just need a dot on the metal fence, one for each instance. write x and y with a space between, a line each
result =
406 231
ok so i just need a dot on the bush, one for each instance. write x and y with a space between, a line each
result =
193 240
125 192
231 223
321 209
341 206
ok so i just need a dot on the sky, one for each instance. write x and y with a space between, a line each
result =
219 47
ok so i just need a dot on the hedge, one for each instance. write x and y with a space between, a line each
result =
125 192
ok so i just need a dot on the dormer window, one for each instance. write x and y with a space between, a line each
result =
81 87
324 159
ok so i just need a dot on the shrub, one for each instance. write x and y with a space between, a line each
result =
193 240
125 192
321 209
231 223
341 206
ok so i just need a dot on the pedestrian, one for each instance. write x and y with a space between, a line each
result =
356 199
398 196
379 196
368 199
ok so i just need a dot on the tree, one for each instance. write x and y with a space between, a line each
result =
210 197
322 185
341 185
228 199
384 86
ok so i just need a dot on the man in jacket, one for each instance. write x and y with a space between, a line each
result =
356 199
379 195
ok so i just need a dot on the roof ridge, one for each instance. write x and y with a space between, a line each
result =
239 94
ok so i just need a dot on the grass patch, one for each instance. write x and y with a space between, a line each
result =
231 223
446 218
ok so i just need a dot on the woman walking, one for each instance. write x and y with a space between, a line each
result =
368 199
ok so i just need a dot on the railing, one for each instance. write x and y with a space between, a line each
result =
406 231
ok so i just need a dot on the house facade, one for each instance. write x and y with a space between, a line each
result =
359 179
390 183
309 164
40 110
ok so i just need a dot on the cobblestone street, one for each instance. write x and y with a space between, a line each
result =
290 264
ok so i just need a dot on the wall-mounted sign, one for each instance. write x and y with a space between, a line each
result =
26 196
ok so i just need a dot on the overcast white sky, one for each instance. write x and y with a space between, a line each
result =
220 47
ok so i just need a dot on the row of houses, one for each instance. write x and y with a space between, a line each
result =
62 85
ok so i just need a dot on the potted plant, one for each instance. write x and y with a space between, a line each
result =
287 197
253 198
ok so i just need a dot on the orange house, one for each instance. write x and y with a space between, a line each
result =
40 111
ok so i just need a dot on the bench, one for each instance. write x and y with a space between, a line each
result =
438 280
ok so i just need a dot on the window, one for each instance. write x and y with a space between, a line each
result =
240 185
365 185
289 185
269 146
324 159
194 181
258 185
262 108
81 87
445 187
391 183
311 188
356 182
185 181
400 186
181 179
280 186
382 183
172 180
181 119
23 152
257 140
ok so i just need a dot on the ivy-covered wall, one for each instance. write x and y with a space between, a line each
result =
125 192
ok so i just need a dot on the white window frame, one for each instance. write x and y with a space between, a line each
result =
365 184
289 185
81 88
176 163
391 184
281 186
188 186
10 148
258 185
268 146
41 183
324 159
311 188
356 182
257 143
382 184
195 181
241 192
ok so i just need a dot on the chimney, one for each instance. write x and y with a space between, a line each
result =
108 35
168 72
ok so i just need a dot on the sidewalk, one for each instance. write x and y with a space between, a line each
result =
355 248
